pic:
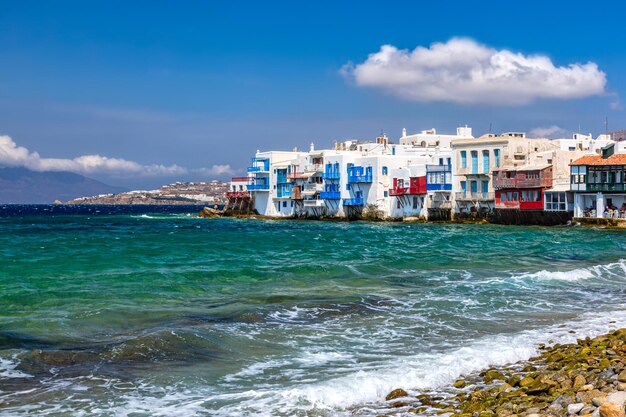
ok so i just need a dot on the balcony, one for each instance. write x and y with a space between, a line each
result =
315 168
364 178
522 180
258 187
473 196
331 175
237 194
296 193
240 179
330 195
313 188
314 203
353 202
606 187
283 190
297 176
259 165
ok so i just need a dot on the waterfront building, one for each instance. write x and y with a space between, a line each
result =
269 184
599 183
475 159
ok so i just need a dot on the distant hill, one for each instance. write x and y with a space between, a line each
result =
23 186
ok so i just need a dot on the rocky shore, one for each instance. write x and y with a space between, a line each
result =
587 378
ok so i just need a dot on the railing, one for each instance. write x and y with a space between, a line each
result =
254 169
521 181
258 187
504 182
353 201
359 178
314 203
240 179
330 195
524 182
438 168
439 187
237 194
606 187
406 191
259 165
476 196
331 175
314 168
313 187
296 175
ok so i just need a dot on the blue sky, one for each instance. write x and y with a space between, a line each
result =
200 85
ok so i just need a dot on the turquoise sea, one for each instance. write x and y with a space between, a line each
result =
172 315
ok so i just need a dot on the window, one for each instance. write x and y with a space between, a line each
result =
485 187
284 204
503 197
385 170
292 204
440 161
463 186
386 193
414 202
278 206
463 159
485 162
496 156
398 205
474 186
474 162
448 160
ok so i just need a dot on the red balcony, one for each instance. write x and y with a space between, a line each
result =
237 194
523 179
415 186
239 179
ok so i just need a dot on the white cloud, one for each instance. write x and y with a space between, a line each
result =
548 132
464 71
13 155
216 170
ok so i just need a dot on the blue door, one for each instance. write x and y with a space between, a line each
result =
474 162
474 186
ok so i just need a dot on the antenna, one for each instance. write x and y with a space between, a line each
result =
606 125
489 127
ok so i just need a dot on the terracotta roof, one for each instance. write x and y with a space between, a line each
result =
615 159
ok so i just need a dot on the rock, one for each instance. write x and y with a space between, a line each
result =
588 396
526 381
598 401
537 387
459 384
396 393
492 375
399 404
618 397
209 212
622 376
587 410
575 408
611 410
579 381
514 380
621 386
564 400
587 387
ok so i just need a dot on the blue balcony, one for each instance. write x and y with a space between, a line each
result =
359 178
259 165
330 195
353 202
359 174
283 190
331 175
438 178
257 187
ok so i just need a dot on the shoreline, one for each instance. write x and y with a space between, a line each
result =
586 378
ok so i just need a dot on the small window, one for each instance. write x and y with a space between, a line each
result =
385 170
398 205
284 204
386 193
414 202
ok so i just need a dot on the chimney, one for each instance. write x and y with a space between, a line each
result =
312 147
404 132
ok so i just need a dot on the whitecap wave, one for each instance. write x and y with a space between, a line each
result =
597 271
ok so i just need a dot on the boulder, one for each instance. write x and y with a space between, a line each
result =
611 410
396 393
618 397
575 408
